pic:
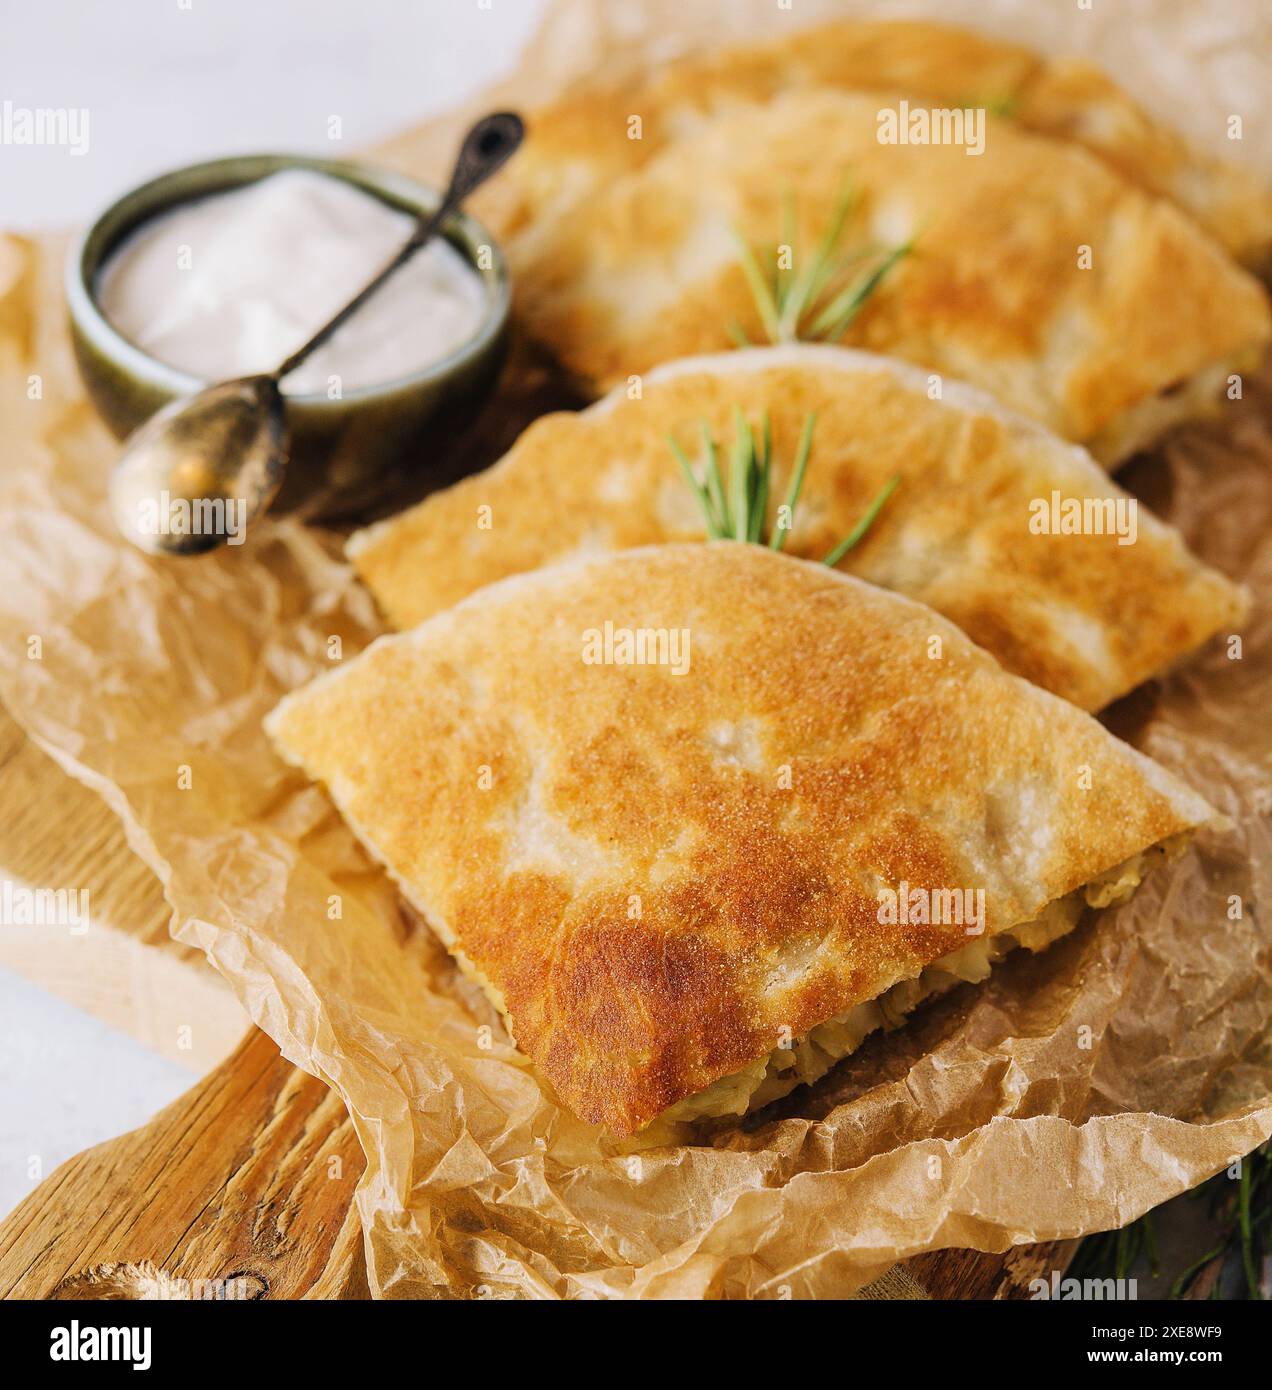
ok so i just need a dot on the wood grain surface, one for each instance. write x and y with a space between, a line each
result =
241 1188
125 969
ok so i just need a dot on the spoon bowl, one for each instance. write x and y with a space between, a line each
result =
201 470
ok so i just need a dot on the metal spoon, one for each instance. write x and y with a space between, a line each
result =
214 461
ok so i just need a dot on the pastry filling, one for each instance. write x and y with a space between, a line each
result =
808 1058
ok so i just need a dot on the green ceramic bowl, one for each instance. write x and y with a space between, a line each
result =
346 454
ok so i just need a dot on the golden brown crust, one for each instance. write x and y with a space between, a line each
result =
657 873
1073 100
1082 615
582 143
998 291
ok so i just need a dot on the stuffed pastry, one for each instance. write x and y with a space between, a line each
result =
699 818
1015 535
1033 270
587 140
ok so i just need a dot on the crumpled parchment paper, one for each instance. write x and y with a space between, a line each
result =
1069 1094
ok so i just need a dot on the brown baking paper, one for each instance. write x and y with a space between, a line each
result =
1071 1093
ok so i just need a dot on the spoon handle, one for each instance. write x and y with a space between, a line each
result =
486 147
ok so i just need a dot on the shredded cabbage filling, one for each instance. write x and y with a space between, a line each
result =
810 1057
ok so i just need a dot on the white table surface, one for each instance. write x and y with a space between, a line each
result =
167 82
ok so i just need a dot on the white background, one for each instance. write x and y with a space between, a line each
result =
167 82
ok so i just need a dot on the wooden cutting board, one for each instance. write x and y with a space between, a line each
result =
243 1187
125 969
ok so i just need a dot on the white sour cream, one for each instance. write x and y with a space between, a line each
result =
228 285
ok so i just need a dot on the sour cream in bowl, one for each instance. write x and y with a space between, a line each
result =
222 269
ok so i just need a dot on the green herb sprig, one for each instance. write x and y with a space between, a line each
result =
1004 105
818 301
735 503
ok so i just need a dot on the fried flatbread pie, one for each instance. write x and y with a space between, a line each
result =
1036 272
584 141
700 817
976 528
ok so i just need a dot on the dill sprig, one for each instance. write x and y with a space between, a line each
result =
735 502
818 301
